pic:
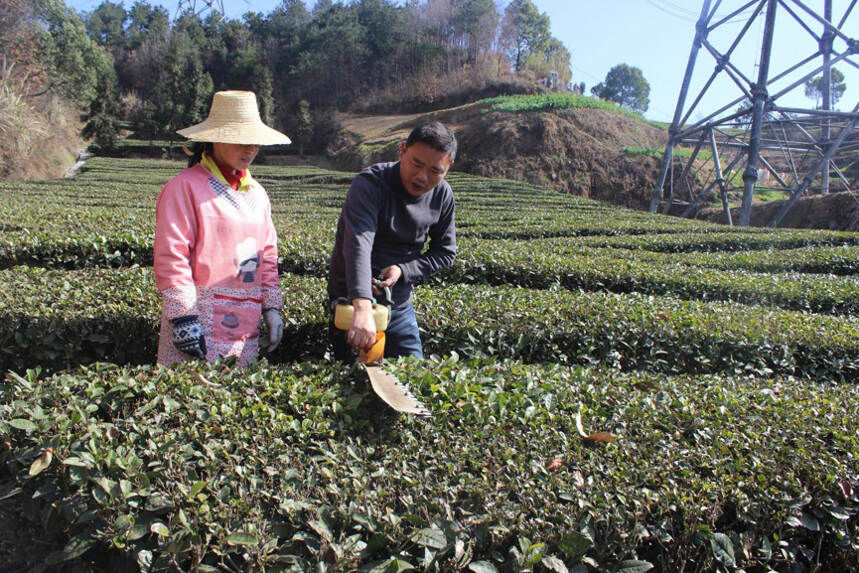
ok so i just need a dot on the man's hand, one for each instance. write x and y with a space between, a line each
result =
362 331
389 275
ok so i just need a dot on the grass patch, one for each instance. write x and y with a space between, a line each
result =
550 101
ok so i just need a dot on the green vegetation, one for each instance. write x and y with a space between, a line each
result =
611 391
294 467
683 152
626 86
765 194
538 102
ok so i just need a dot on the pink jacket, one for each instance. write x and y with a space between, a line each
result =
215 257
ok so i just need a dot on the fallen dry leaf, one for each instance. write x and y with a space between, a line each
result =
606 437
203 380
646 385
555 464
41 463
579 426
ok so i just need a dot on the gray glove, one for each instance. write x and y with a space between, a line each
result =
272 319
188 336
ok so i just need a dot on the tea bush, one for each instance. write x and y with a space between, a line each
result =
612 391
541 264
60 319
296 467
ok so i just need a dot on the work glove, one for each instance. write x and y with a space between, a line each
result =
188 336
274 323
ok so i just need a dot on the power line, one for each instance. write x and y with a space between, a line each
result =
669 12
681 9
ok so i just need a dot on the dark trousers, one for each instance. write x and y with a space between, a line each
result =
402 337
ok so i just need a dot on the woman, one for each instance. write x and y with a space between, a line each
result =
215 243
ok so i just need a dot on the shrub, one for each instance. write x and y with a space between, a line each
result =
210 468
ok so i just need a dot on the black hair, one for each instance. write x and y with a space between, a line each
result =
197 150
436 135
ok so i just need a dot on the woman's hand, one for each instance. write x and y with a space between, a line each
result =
188 336
274 322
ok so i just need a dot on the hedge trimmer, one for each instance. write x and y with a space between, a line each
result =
394 393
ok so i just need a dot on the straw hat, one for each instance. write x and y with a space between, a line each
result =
234 118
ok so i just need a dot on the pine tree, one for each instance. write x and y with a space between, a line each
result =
103 122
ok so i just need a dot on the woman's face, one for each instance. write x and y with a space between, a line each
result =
235 155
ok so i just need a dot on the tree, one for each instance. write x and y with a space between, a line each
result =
476 21
322 6
626 86
103 118
19 41
384 33
814 88
333 57
106 24
185 87
73 62
303 126
554 57
524 30
146 22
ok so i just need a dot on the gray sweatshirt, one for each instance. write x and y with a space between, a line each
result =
380 225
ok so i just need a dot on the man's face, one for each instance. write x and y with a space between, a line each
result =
422 167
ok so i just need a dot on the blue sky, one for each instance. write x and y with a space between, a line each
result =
655 36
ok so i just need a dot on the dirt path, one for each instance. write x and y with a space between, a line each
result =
378 128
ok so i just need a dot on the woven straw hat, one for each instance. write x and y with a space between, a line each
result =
234 118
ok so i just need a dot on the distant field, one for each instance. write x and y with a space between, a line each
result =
612 391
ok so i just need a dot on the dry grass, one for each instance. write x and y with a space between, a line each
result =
39 137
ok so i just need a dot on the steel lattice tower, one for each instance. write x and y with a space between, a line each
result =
204 6
801 150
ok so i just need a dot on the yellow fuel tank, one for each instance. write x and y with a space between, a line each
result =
343 316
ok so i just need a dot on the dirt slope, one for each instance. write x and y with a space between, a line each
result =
578 151
836 212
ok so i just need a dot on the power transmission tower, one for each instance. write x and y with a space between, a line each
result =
199 8
786 149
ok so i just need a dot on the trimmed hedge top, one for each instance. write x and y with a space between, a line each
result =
210 468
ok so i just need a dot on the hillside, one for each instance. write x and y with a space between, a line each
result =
584 151
575 150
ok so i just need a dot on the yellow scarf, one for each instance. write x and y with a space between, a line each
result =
244 183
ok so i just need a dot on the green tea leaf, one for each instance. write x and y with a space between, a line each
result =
482 567
429 537
159 528
241 539
723 549
76 547
575 545
554 564
634 566
23 424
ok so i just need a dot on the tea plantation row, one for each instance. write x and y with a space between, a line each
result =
612 391
58 319
524 467
97 220
798 279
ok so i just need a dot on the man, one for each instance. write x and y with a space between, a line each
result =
391 210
